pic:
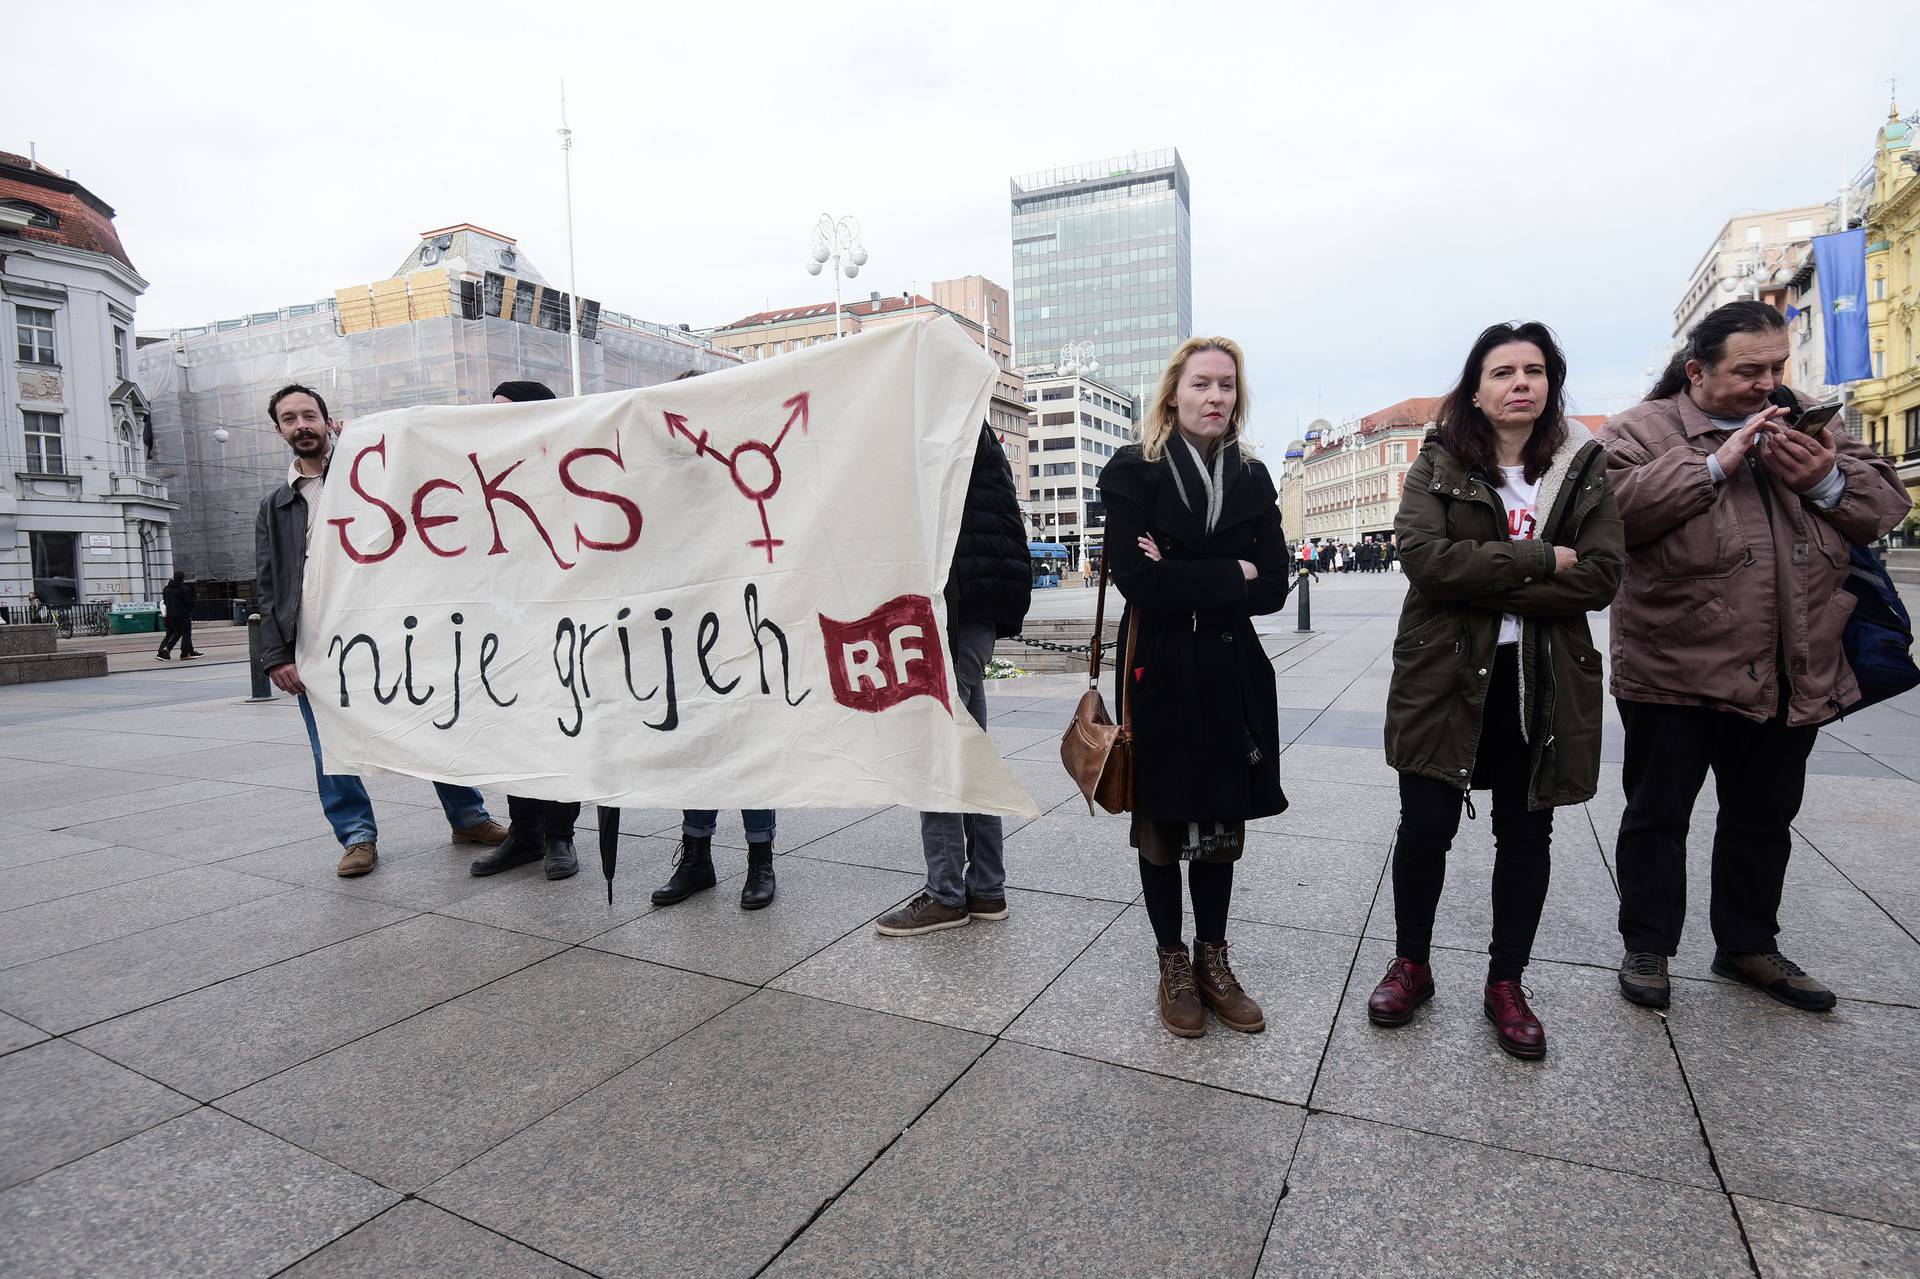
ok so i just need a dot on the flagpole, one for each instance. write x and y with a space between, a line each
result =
573 291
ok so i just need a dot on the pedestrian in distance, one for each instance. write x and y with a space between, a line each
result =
176 601
282 535
1511 539
989 588
1198 552
1727 653
692 870
538 830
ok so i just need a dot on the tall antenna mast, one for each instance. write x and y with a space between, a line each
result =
573 290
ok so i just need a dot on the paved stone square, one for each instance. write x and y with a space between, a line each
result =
216 1058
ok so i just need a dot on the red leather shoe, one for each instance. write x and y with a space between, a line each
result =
1520 1031
1406 986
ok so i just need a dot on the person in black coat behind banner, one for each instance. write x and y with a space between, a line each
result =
538 830
988 590
1193 528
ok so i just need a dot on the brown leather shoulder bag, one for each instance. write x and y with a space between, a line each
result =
1097 752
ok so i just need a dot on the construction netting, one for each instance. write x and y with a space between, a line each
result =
220 377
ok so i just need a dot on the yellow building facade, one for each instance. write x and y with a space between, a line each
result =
1889 402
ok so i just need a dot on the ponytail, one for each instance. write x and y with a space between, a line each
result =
1707 342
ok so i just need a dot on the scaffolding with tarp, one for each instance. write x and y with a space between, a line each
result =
368 349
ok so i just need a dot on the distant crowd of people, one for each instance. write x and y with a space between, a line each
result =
1718 533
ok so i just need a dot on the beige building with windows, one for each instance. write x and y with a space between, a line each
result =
969 299
1779 242
1352 474
1078 423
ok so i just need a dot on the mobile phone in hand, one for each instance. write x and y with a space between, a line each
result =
1808 422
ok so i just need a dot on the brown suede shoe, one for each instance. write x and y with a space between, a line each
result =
1220 989
356 861
489 832
1180 1008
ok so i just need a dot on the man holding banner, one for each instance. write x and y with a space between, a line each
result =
283 534
719 592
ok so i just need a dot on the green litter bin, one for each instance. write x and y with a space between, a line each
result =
132 619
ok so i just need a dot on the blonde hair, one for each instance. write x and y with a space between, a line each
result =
1162 417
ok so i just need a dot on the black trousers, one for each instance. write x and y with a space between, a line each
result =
1760 775
180 632
541 818
1522 838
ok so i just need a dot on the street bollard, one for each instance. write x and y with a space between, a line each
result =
262 690
1305 623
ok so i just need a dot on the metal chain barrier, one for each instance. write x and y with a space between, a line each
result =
1051 647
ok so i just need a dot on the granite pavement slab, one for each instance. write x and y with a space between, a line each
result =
24 847
16 1034
816 903
977 977
78 873
199 1195
572 910
212 830
699 1162
419 867
65 992
1104 1007
1334 810
1800 1243
1065 852
1469 1207
1323 884
889 840
458 1079
1813 1109
74 801
1608 1094
223 1037
1117 1173
419 1241
58 1102
1350 765
69 923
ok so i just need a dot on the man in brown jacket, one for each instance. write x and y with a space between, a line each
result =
1727 638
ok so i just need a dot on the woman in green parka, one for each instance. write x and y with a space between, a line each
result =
1509 537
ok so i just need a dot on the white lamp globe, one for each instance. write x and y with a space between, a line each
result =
220 436
859 257
820 253
813 268
852 270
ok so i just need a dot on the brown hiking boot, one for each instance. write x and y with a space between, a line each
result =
1180 1009
1220 989
489 832
924 914
1778 976
356 861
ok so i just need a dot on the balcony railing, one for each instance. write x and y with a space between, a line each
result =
121 484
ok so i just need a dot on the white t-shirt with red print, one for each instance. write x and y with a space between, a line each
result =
1521 498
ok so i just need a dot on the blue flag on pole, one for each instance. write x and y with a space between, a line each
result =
1840 261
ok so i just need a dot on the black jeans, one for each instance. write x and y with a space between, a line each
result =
1522 838
178 632
1760 775
541 818
1211 884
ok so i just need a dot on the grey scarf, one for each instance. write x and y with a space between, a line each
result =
1182 456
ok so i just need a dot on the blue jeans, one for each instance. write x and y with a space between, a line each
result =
700 823
963 849
349 810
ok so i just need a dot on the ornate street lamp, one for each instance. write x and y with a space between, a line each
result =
838 243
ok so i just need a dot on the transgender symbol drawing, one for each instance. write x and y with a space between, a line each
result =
755 470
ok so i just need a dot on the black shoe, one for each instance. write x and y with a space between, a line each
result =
1778 976
165 657
692 871
758 890
561 862
515 850
1643 979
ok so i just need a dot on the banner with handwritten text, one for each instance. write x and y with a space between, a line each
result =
721 592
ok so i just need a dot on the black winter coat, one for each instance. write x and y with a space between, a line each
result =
1201 686
991 579
177 598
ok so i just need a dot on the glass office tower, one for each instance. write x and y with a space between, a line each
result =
1102 253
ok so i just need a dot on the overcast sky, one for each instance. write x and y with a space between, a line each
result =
1371 183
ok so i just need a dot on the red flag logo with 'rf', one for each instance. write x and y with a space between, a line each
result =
889 655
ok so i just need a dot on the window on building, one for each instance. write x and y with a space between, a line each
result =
120 353
1057 443
1913 432
129 447
1057 393
33 329
1879 291
56 567
45 455
1033 471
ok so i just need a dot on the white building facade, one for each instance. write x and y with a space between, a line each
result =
1076 423
81 520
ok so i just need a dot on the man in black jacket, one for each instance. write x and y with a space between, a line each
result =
281 536
177 601
988 590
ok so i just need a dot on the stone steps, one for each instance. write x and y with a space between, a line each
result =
1055 630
